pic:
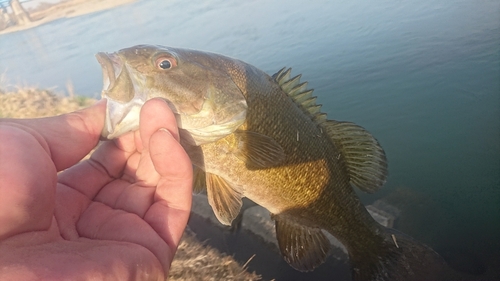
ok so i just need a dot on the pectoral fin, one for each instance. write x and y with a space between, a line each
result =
303 247
224 198
199 180
257 150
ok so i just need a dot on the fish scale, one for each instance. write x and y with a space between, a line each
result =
267 140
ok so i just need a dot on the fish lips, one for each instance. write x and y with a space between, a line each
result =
123 105
110 64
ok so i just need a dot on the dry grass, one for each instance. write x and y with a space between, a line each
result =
194 260
32 103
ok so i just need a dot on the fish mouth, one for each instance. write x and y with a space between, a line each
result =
123 103
110 64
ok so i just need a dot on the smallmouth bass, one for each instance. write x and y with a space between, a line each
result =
264 137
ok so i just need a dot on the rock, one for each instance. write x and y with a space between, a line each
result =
203 209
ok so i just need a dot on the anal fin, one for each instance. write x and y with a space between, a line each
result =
303 247
224 198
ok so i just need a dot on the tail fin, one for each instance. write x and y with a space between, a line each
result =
401 258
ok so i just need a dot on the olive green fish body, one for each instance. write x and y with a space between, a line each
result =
263 137
313 171
311 186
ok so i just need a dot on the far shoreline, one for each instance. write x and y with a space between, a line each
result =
66 9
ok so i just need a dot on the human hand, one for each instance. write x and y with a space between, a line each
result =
116 216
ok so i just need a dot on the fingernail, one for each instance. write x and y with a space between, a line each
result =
164 130
176 137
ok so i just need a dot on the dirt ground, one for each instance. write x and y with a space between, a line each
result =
194 259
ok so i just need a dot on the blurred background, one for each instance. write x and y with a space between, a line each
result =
422 76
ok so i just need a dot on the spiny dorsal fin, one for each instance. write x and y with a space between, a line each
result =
298 89
309 102
320 118
290 84
282 75
365 158
303 96
299 94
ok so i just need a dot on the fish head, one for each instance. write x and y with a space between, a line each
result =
197 86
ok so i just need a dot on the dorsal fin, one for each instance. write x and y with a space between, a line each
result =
282 75
299 94
365 158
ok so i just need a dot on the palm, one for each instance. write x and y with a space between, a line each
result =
117 215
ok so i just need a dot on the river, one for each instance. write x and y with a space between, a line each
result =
422 76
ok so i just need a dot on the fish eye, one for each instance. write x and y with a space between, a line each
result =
165 63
